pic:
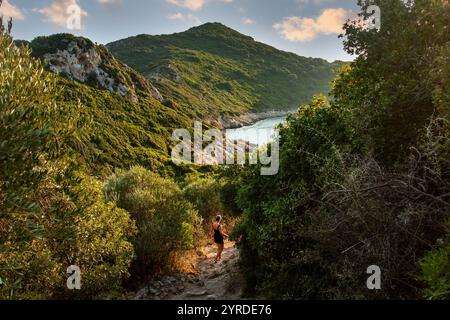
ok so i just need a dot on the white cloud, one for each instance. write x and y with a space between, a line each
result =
301 29
9 10
184 17
193 5
315 2
106 2
248 21
57 12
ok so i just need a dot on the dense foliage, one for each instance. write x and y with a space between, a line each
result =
205 195
166 222
124 133
364 176
52 216
364 179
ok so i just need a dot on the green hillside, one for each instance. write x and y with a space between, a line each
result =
216 69
128 124
203 73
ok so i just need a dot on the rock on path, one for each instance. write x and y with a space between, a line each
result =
213 281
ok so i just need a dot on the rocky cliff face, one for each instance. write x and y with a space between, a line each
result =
80 60
164 72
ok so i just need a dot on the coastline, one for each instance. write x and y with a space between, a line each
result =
248 119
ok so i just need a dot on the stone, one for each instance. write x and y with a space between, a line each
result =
214 275
196 293
173 290
200 284
180 288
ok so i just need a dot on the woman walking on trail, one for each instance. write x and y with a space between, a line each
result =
219 237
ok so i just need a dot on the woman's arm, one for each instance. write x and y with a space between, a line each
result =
223 233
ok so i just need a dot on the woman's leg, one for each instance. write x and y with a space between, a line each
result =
219 254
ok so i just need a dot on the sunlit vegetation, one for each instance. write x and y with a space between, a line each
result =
223 71
364 178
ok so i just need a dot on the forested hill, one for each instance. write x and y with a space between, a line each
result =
217 69
211 73
129 123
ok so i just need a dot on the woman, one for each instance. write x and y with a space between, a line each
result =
219 237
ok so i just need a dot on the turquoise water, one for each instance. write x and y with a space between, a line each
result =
259 133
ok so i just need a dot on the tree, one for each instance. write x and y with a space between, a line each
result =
390 85
165 221
51 214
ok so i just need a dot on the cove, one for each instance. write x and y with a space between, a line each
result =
253 133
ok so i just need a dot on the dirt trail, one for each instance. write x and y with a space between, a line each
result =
212 281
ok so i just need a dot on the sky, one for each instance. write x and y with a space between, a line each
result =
306 27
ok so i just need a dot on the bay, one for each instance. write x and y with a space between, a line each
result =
259 133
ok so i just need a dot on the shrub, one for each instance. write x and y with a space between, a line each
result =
51 216
166 222
377 217
228 195
351 192
73 228
313 230
204 194
436 272
278 257
382 89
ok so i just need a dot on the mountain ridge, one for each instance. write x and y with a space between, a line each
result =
201 74
214 65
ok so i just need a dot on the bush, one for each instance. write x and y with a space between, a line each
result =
278 257
364 180
377 217
51 216
204 194
74 228
228 196
166 222
436 272
382 89
313 230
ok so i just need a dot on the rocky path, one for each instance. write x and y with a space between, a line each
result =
212 281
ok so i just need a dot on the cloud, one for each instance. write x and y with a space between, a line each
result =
184 17
108 2
193 5
301 29
248 21
315 2
57 12
9 10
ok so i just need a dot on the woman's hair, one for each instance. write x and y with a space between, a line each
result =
218 218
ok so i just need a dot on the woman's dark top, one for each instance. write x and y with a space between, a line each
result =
218 238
